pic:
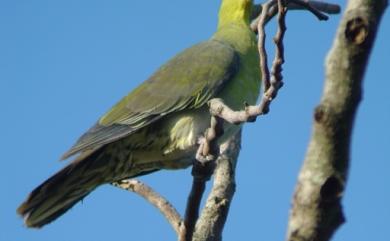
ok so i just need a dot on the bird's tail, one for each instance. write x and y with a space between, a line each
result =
60 192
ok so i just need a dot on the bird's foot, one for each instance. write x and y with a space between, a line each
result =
204 162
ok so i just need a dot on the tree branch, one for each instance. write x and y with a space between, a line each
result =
155 199
317 211
202 169
321 6
299 4
318 8
276 71
265 76
212 219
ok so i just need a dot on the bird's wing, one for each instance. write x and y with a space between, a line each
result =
187 81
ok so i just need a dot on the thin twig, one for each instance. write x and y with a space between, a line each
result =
309 7
318 7
162 204
273 84
276 72
321 6
261 46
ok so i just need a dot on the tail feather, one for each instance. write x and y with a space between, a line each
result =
62 191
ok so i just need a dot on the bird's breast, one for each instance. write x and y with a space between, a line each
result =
185 128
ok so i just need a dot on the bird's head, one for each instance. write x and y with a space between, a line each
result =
235 10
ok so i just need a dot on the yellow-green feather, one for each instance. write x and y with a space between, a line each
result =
234 11
233 28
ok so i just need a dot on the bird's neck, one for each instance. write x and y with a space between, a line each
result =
233 26
234 11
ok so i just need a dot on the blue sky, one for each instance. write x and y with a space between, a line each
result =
64 63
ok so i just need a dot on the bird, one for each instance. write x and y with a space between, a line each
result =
158 124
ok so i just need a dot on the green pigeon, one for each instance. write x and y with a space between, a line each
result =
158 124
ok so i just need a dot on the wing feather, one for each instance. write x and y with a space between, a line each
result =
187 81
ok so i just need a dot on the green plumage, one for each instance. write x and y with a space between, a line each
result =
157 125
186 82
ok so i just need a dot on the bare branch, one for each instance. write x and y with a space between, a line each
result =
276 72
265 77
155 199
317 210
219 108
309 7
202 169
211 222
318 8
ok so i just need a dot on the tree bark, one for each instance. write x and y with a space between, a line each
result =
210 224
317 210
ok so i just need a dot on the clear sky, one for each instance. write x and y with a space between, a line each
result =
64 63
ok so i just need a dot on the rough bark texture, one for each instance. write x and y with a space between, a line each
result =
317 211
212 219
